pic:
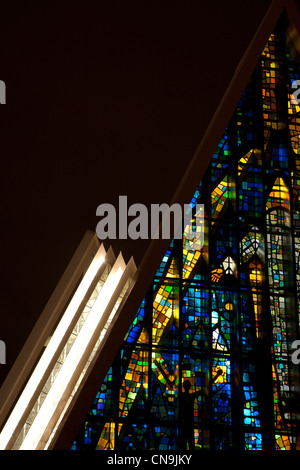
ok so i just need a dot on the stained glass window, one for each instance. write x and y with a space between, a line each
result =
206 363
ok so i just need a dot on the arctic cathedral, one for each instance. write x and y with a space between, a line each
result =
206 363
209 360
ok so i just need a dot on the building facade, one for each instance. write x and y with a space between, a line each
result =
207 361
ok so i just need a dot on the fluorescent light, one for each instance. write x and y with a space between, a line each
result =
34 381
67 376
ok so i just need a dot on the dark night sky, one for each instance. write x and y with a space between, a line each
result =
103 99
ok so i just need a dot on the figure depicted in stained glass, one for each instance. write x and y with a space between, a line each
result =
186 432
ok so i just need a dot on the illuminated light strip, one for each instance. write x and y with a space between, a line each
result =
36 342
128 276
21 407
67 377
103 276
